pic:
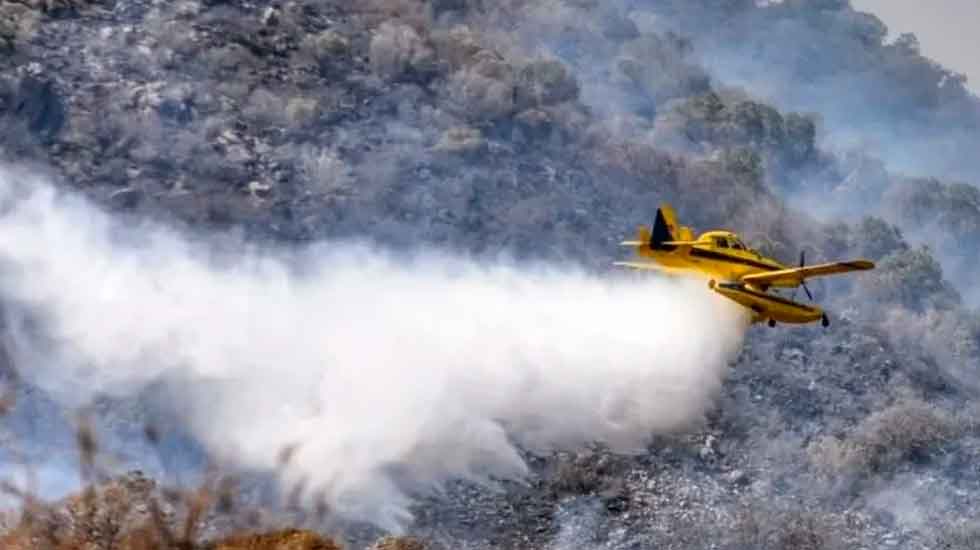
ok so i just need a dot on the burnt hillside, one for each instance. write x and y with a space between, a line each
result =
547 130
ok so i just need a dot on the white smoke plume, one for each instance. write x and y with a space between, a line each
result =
390 375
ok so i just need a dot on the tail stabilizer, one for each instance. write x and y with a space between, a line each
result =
665 235
642 239
664 229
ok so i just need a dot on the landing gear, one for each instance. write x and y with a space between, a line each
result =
824 320
772 323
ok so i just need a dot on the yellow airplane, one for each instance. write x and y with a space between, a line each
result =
735 270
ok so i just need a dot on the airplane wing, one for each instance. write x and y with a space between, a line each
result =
672 243
642 265
652 266
793 277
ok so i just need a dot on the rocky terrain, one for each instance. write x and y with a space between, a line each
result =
548 130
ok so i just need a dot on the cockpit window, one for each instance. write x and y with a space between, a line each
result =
737 245
721 242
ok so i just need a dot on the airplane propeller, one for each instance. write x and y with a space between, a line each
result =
803 281
824 320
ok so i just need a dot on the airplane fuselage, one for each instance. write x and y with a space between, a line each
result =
721 257
717 254
724 266
733 270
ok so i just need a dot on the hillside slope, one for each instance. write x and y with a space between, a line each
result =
547 131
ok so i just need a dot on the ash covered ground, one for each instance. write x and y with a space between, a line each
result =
544 132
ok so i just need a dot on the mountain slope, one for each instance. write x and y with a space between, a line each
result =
547 131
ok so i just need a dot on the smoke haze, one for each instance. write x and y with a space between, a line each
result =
390 374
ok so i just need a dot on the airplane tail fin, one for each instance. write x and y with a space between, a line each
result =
664 227
665 235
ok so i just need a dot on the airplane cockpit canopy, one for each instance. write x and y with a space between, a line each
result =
729 241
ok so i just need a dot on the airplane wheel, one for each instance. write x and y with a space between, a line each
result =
825 321
772 323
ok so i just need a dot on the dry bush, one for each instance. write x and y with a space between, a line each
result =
658 65
640 160
231 57
8 36
795 528
576 478
958 537
535 122
683 124
266 108
47 6
875 238
483 90
124 513
947 337
18 23
457 47
545 82
302 111
325 47
397 49
167 36
398 543
908 430
145 538
325 172
913 278
128 512
587 473
132 512
461 140
288 539
416 14
490 62
757 124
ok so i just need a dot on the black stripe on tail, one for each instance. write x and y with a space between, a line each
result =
661 233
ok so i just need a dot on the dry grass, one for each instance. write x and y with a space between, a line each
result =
288 539
398 543
132 512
